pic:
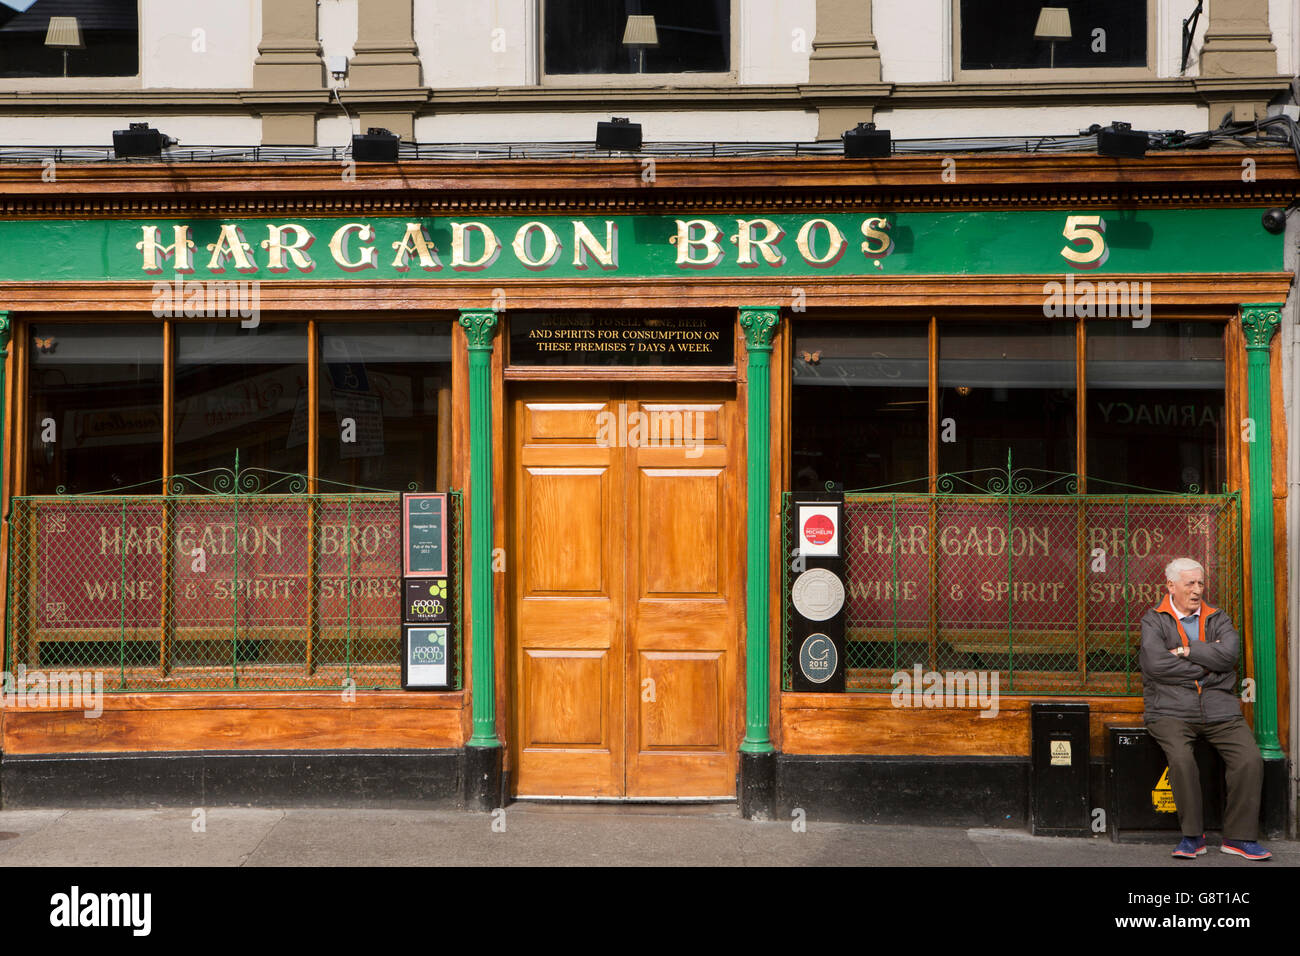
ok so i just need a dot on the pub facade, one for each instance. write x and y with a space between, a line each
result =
788 480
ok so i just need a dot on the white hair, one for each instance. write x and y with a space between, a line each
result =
1177 566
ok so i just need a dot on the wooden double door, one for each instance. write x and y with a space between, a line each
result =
627 586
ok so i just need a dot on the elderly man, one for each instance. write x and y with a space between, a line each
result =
1189 679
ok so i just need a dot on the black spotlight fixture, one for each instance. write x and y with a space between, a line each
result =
1121 141
618 133
140 140
867 142
376 146
1275 220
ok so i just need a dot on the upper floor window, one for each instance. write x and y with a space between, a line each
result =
69 38
1057 34
636 36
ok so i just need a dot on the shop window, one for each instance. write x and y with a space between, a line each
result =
587 36
1006 389
94 412
1102 34
241 390
86 38
385 405
860 407
1156 406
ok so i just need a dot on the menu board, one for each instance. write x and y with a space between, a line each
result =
424 535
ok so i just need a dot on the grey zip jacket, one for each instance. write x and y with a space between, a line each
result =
1201 687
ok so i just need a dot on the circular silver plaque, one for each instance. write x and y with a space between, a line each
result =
817 594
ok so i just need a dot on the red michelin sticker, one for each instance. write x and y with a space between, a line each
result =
818 529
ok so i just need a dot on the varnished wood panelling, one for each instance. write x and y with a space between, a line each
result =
680 550
239 721
565 691
871 724
551 421
567 527
684 711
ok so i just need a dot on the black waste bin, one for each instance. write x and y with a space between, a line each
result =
1058 769
1142 800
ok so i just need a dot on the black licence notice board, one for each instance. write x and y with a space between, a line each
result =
627 337
424 535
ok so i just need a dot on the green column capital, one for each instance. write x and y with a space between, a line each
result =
5 329
480 326
1259 321
759 324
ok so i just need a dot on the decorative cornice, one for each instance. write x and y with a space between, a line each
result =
759 324
480 326
587 186
1259 321
798 96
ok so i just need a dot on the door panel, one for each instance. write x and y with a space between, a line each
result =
626 604
685 557
568 607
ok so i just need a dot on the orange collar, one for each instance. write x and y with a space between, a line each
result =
1167 607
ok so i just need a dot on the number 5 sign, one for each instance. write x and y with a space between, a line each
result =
1089 230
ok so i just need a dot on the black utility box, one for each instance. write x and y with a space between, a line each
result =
1142 804
1058 770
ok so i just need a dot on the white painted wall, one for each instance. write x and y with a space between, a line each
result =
98 130
1284 21
776 39
658 126
921 123
198 44
914 38
336 25
1169 37
483 43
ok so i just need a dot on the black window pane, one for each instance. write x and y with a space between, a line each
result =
241 389
385 405
999 34
95 412
859 405
107 41
1156 405
586 36
1006 388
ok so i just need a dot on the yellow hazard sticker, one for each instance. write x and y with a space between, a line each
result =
1162 797
1060 753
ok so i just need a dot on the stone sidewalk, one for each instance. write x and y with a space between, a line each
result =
531 834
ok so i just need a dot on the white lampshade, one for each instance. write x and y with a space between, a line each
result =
64 32
640 31
1053 24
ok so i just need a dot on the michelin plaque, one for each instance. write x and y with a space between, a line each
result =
818 594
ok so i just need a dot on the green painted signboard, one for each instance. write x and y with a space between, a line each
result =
867 243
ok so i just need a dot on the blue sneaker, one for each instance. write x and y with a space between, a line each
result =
1191 847
1247 848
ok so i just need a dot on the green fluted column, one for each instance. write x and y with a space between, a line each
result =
480 326
4 355
759 324
1259 321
